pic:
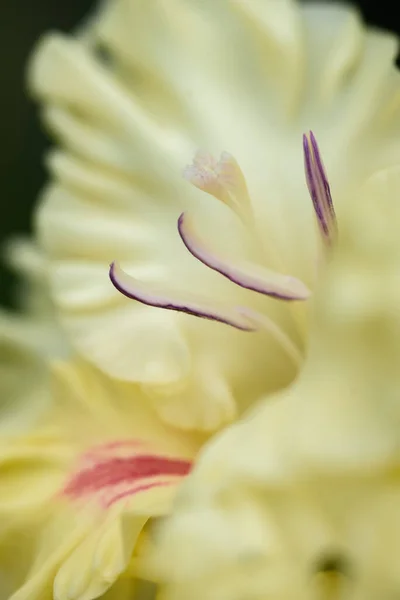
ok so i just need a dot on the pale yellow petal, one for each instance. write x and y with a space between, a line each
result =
24 393
83 482
99 560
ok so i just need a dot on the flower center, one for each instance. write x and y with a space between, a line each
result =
117 470
224 180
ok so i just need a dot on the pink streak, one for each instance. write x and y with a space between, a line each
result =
135 489
119 470
107 473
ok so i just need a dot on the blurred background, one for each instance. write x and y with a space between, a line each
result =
23 143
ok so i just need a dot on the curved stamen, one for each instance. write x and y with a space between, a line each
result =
318 186
247 275
239 317
204 308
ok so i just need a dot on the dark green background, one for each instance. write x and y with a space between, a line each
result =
22 143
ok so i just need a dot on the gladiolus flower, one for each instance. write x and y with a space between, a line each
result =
136 383
145 87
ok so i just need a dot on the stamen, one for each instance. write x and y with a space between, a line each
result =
225 181
318 186
222 179
245 274
198 307
239 317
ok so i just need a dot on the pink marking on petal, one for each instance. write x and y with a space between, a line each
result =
121 470
246 275
112 477
204 308
138 488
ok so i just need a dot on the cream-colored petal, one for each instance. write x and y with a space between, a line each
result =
138 345
94 90
262 30
33 327
170 401
97 241
175 78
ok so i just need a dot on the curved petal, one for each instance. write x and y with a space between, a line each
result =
33 327
99 559
24 393
93 470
